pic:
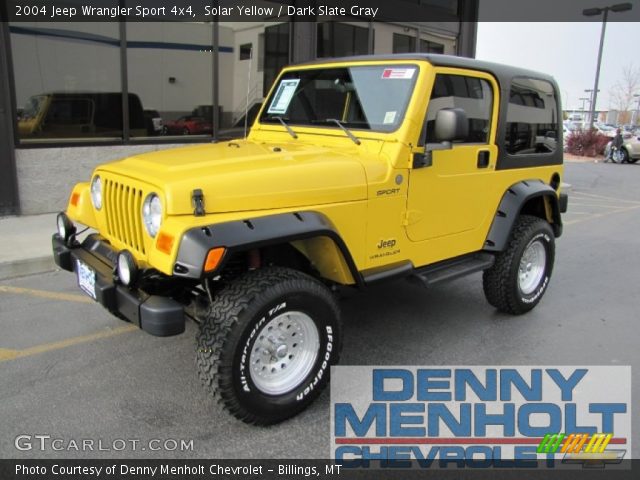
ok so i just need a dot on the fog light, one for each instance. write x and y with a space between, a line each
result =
126 268
66 228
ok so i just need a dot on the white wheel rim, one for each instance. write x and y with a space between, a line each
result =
532 266
284 353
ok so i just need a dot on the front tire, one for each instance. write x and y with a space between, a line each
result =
520 275
266 344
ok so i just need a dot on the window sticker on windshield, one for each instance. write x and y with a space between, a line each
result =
402 73
283 96
389 117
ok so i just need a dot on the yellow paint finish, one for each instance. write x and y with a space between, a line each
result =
370 192
83 212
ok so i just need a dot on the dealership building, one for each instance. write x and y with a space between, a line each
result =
77 94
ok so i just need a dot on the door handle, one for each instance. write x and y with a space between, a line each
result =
483 159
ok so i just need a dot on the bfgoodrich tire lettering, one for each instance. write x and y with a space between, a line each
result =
232 330
506 287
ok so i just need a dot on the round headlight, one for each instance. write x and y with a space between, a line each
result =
96 192
152 214
65 226
126 268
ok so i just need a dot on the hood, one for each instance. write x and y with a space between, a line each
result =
244 175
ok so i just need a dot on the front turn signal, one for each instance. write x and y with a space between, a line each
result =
164 243
213 259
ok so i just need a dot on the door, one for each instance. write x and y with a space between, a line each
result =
452 196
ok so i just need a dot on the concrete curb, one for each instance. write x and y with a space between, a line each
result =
29 266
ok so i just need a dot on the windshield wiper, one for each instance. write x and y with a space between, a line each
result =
355 139
284 124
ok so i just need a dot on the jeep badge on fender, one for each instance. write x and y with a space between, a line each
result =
351 175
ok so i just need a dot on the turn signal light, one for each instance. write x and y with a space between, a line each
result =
75 196
164 243
213 259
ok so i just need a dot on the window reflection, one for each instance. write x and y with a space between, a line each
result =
531 117
67 80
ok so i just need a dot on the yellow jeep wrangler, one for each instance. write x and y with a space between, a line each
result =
356 171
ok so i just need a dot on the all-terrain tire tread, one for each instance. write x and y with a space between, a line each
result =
220 319
496 280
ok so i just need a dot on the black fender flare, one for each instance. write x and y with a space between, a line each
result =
243 235
510 207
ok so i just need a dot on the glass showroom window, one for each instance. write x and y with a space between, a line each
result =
407 44
342 40
170 74
67 81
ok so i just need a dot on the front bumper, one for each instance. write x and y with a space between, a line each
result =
157 315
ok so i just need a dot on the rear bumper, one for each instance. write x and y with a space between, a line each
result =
157 315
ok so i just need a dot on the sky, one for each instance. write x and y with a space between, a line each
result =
568 51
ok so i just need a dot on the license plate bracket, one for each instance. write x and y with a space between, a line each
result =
86 278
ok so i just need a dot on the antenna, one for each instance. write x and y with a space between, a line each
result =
246 108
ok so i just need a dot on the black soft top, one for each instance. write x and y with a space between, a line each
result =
503 73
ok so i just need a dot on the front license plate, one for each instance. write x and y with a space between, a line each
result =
86 279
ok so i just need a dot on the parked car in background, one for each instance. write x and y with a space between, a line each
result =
78 115
153 122
604 129
188 125
630 150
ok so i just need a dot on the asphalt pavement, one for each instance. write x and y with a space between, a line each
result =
69 370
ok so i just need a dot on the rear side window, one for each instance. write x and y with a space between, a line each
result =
532 117
472 94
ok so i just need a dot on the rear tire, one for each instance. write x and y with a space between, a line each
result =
251 351
520 275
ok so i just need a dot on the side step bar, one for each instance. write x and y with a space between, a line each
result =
451 269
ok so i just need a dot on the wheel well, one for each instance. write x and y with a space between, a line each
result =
317 256
544 207
536 207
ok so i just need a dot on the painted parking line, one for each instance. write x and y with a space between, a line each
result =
604 197
603 214
7 354
65 297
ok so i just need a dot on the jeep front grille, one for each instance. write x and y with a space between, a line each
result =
123 207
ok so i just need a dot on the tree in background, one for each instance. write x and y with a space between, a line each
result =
621 94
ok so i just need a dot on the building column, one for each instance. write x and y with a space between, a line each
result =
466 45
303 36
9 202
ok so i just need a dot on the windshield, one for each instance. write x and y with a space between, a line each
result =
367 98
33 106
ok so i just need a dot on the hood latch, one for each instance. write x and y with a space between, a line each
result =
197 201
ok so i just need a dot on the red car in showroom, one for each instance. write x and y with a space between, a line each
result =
188 125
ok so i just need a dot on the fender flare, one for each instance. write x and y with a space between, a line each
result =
243 235
510 207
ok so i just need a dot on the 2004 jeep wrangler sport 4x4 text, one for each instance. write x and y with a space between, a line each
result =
357 170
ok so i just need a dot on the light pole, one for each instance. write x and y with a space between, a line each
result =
592 112
635 120
584 99
591 12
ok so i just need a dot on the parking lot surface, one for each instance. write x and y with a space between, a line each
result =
71 371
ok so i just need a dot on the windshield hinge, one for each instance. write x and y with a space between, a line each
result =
197 201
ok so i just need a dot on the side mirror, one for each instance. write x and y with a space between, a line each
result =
451 124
